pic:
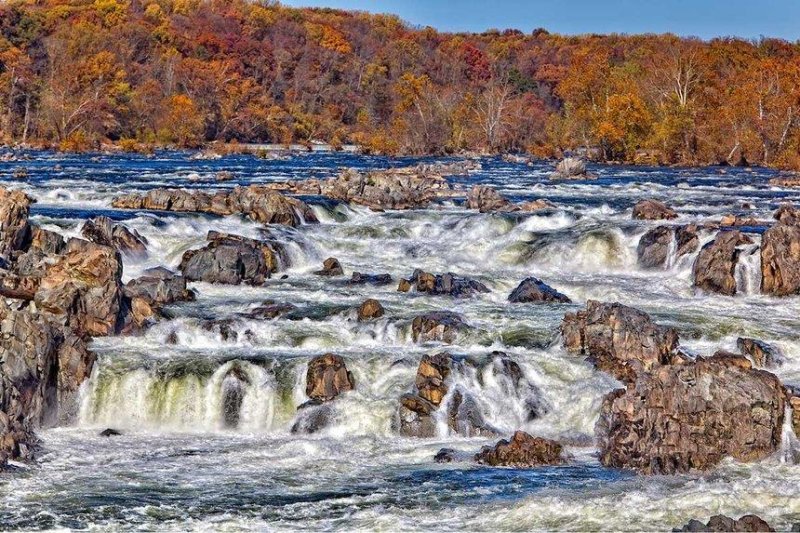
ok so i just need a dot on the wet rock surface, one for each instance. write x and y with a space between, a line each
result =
442 284
725 523
522 451
330 267
715 267
437 326
370 310
327 377
488 200
232 260
101 230
571 168
653 210
780 259
656 246
533 290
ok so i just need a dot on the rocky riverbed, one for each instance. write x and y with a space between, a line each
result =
339 341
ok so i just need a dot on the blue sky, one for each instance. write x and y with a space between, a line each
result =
702 18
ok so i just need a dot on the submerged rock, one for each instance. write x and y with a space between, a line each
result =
270 310
101 230
686 417
327 377
535 290
110 432
522 451
437 326
722 523
714 269
652 210
442 284
370 279
620 340
233 260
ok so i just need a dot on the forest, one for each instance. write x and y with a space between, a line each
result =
80 74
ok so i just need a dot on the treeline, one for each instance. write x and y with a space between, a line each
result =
77 73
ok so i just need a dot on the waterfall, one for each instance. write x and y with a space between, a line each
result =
748 270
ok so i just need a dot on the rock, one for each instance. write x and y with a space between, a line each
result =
370 279
762 354
571 168
793 395
487 199
620 340
652 210
522 451
46 241
535 290
259 203
787 214
443 284
446 455
715 267
399 188
83 289
724 523
534 205
437 326
233 260
327 377
14 227
655 245
431 376
780 259
414 417
690 416
101 230
20 173
110 432
224 175
270 310
369 310
312 417
159 287
330 267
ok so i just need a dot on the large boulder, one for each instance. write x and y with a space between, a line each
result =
620 340
327 377
370 309
654 246
715 267
487 199
101 230
437 326
652 210
233 260
570 168
159 286
780 259
442 284
83 289
14 226
331 268
259 203
522 451
536 291
690 416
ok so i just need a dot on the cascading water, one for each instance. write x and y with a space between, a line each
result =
207 401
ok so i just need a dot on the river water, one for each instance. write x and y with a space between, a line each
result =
178 466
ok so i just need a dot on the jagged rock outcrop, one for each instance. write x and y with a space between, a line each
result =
262 204
487 200
369 310
14 226
762 355
715 267
652 210
618 339
780 259
442 284
690 416
160 286
437 326
330 267
722 523
787 214
327 377
536 291
655 245
233 260
101 230
522 451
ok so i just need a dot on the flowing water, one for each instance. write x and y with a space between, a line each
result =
181 463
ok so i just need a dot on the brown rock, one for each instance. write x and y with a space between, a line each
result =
330 267
522 451
369 310
14 227
780 260
437 326
327 377
231 259
487 199
723 523
443 284
620 340
431 376
689 417
101 230
787 214
654 246
715 267
762 354
652 210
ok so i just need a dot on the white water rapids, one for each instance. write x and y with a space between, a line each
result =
182 464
